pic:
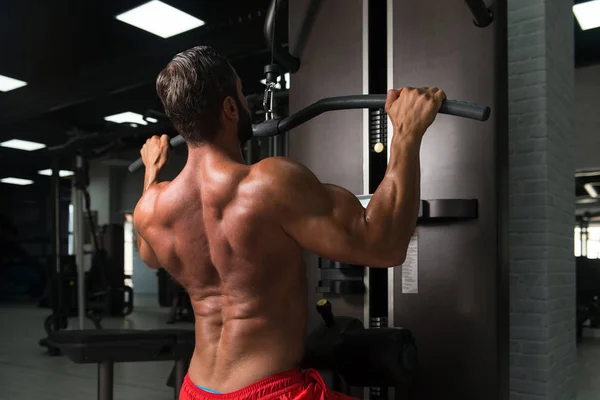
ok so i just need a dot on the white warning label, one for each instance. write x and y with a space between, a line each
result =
410 268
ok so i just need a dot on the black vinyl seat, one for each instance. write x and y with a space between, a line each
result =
105 347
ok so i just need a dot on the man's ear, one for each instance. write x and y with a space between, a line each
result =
230 109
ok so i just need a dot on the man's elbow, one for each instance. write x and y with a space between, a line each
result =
148 257
390 257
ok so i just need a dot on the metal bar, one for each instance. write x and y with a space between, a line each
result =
584 240
105 380
270 150
180 371
482 15
115 132
58 307
248 152
272 127
286 144
451 107
277 146
282 55
366 161
581 223
78 244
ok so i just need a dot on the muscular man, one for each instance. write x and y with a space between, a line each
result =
234 234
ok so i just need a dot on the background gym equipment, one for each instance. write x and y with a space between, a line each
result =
588 293
108 347
73 291
360 357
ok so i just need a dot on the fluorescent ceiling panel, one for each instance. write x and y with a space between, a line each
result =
7 84
16 181
127 117
22 145
588 14
287 81
160 19
591 190
62 173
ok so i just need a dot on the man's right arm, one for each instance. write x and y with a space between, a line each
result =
331 222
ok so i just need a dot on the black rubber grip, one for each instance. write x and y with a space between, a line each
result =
466 110
175 142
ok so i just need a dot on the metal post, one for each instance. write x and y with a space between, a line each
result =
286 145
58 306
271 147
584 238
581 224
105 380
78 242
277 146
180 371
248 154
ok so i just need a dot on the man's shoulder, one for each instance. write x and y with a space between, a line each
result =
272 180
146 209
281 170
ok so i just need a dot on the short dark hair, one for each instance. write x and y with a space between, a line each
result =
192 89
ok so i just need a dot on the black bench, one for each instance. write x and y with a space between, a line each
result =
106 347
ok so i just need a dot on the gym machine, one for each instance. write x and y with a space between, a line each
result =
378 357
68 297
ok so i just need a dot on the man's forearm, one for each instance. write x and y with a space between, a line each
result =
394 207
150 177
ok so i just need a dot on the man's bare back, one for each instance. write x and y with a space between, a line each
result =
213 232
233 235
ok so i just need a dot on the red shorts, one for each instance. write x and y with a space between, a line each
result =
290 385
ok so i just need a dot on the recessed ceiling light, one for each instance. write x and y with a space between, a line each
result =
153 120
591 190
160 19
588 14
62 173
7 84
127 117
287 80
16 181
22 145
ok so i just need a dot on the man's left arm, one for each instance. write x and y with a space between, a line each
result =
155 154
143 217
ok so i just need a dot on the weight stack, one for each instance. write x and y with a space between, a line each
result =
339 278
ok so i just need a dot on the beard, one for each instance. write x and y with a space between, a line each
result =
244 128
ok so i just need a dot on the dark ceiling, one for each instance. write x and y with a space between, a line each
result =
81 64
587 44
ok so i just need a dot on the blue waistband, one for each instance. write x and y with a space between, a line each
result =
208 390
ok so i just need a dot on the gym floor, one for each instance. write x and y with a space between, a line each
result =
27 372
588 369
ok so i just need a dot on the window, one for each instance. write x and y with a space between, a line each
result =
593 242
70 229
128 249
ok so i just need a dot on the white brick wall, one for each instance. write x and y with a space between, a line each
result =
542 280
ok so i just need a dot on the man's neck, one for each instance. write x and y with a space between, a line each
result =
216 149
